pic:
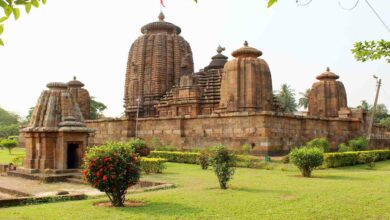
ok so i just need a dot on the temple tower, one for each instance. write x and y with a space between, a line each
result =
56 136
246 82
81 96
327 96
156 61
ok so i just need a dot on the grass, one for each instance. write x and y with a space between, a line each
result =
347 193
6 158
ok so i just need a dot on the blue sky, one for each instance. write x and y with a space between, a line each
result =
91 39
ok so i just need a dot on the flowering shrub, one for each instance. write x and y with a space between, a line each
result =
112 168
153 165
140 147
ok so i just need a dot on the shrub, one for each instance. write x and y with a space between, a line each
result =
223 164
358 144
352 158
153 165
249 161
344 148
176 156
368 158
112 168
9 144
204 158
246 149
321 143
165 148
286 159
140 147
306 159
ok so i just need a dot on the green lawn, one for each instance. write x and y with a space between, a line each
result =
348 193
6 158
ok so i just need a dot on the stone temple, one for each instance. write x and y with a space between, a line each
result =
228 101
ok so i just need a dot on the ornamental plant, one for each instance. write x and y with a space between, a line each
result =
140 147
112 168
321 143
223 163
358 144
203 160
8 144
368 158
306 159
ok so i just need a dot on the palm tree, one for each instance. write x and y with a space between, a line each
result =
286 98
304 100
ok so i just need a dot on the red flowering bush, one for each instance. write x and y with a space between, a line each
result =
140 147
112 168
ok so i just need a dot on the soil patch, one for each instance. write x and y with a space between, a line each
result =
126 203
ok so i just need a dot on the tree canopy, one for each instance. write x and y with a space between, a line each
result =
12 7
372 50
96 108
286 98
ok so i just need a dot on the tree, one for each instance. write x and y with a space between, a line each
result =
372 50
223 164
286 98
8 144
8 118
381 113
304 100
12 7
96 108
364 106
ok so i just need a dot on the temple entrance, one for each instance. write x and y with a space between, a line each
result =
73 156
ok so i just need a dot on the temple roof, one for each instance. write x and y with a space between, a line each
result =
327 75
160 26
219 60
75 83
247 51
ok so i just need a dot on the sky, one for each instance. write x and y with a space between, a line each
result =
91 39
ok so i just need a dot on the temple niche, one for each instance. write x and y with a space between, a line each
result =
156 61
56 136
246 82
328 96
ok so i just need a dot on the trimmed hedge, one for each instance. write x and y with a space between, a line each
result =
176 156
153 165
332 160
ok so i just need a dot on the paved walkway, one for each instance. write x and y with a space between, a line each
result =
38 188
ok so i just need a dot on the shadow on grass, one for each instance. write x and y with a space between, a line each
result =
165 209
245 189
330 177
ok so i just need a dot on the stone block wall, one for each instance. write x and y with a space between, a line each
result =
270 133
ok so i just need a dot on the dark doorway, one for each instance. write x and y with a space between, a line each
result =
73 160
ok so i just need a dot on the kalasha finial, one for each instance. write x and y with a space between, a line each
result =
246 43
327 69
161 16
220 49
74 77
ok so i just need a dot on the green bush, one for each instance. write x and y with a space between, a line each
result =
165 148
321 143
153 165
112 168
286 159
223 164
249 161
176 156
204 159
9 130
332 160
344 148
306 159
368 158
8 144
140 147
358 144
246 149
